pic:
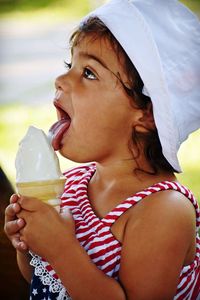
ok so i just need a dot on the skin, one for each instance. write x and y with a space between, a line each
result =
157 235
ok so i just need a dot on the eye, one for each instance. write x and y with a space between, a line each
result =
88 74
67 65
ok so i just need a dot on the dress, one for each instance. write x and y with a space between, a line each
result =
95 236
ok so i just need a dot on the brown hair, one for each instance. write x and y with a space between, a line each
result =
152 146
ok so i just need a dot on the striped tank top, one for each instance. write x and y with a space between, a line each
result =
96 238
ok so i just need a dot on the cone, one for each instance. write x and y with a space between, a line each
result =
48 191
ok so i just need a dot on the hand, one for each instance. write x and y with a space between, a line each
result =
46 231
13 225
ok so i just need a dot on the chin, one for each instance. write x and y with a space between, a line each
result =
75 156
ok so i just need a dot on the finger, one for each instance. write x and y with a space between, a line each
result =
22 246
11 211
21 232
19 245
14 198
22 214
30 204
13 227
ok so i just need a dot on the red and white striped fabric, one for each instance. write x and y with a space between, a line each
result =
95 236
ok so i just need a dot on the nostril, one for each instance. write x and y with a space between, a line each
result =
58 83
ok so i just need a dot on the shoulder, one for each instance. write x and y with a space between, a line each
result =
158 236
166 208
168 198
168 219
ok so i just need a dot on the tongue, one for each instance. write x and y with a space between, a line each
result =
57 131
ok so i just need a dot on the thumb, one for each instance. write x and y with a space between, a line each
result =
30 204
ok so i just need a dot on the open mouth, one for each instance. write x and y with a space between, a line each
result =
62 114
59 128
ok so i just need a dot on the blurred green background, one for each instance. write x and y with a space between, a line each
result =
75 8
15 117
61 8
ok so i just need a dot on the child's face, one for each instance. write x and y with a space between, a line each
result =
102 115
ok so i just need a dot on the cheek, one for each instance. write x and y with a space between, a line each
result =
101 113
87 117
97 122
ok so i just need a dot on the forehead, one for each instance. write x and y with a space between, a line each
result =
100 47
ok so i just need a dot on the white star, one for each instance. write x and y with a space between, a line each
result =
44 299
44 290
34 292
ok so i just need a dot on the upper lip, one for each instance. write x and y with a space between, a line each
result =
61 111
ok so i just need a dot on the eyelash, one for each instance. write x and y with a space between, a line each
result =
85 71
67 65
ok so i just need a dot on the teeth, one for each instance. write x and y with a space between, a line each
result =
58 94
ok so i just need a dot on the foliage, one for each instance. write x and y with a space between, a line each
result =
192 4
24 8
75 8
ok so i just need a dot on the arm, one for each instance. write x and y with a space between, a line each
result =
158 238
43 227
84 274
23 261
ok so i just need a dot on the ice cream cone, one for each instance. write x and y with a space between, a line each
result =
48 191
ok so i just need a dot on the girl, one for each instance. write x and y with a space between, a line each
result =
127 228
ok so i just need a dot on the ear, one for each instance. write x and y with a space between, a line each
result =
145 122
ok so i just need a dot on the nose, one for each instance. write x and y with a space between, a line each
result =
59 82
63 82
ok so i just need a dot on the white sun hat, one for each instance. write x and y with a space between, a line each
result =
162 39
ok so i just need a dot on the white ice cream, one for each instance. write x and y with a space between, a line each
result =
36 160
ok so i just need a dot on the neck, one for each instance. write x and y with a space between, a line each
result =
110 174
115 170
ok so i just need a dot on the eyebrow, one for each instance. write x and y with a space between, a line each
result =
92 56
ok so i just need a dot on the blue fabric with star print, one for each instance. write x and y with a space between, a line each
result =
38 291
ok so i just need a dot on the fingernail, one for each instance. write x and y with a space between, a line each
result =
23 245
20 222
12 197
